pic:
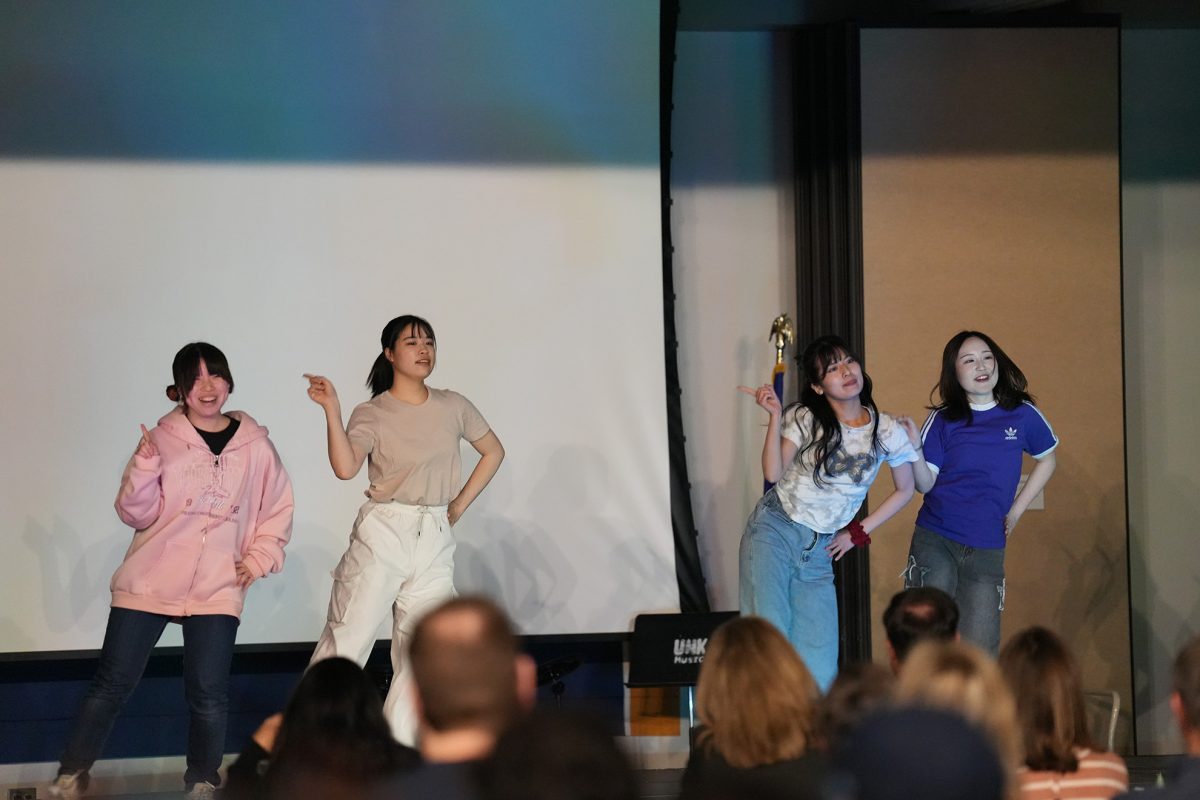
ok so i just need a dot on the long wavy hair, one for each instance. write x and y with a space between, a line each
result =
755 696
1050 711
1011 386
382 373
825 433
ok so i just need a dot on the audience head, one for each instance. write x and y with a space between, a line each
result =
926 753
333 733
916 614
1049 695
858 690
1185 699
959 677
556 755
755 696
468 669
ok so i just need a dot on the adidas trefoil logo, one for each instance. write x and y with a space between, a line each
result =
1010 434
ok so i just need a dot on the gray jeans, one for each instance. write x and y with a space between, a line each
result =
973 576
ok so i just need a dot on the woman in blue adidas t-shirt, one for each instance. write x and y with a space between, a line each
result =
973 444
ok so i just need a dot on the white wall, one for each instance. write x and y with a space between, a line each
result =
732 226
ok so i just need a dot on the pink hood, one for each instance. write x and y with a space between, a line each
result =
197 515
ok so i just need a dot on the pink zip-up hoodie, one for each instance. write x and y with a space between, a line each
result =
197 515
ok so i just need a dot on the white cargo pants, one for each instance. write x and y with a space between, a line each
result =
402 556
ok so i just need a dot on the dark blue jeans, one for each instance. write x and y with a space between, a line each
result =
973 576
130 636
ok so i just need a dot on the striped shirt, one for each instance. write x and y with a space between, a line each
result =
1099 777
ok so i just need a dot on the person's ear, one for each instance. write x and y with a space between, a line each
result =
419 710
1178 710
526 669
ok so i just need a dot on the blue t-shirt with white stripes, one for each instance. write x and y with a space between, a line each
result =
978 468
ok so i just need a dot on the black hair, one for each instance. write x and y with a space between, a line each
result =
334 723
1010 389
917 614
825 436
379 380
185 369
553 754
887 755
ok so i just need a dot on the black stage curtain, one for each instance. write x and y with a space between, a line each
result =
693 595
829 266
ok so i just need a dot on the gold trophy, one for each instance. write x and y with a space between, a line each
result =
783 334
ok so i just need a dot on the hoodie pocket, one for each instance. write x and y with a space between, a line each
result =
216 577
168 578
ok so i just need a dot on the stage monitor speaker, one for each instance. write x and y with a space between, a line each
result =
667 649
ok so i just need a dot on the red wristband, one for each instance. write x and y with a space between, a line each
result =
858 536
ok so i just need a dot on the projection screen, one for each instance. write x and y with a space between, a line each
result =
280 181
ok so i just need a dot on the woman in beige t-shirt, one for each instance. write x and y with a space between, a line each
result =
401 553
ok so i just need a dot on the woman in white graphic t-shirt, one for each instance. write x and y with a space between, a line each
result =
822 454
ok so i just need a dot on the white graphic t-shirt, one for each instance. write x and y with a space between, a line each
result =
831 505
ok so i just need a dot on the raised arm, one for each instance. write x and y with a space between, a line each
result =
1037 481
140 499
491 453
776 451
345 459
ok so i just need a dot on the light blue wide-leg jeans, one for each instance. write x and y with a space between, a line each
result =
787 578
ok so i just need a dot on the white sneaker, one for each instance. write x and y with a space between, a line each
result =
69 785
201 791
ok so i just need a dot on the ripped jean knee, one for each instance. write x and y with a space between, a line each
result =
913 574
933 562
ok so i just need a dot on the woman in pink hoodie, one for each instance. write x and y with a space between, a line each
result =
211 506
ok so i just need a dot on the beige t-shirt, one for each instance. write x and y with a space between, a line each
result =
412 451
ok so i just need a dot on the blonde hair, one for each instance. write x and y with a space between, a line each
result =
755 696
959 677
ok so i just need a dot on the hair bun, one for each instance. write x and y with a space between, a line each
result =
173 393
